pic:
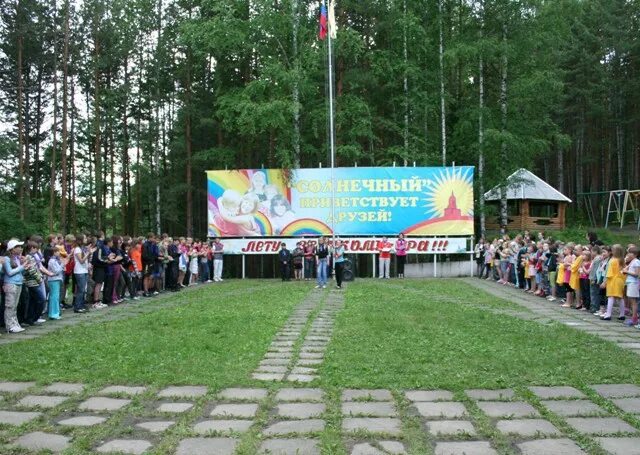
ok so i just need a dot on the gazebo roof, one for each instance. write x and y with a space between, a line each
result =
524 184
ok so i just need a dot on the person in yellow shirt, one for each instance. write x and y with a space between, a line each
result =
574 281
614 283
567 260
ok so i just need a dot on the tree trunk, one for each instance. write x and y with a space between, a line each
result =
126 179
443 118
39 117
157 147
27 139
72 161
503 111
188 145
579 157
137 218
405 83
96 125
22 152
65 113
481 128
52 184
560 154
112 163
620 146
295 19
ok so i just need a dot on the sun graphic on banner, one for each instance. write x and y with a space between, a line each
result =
453 188
449 204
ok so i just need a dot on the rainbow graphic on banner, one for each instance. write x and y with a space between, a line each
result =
306 226
214 231
264 224
241 181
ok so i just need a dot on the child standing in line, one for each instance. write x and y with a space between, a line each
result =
56 268
601 279
183 262
539 271
560 277
632 271
574 281
614 283
583 272
193 263
567 261
532 260
552 270
594 288
488 260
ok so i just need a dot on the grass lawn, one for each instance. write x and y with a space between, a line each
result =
216 338
393 334
434 334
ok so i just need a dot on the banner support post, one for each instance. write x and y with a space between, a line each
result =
243 266
471 264
373 262
435 266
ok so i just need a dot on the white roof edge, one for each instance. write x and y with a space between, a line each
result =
536 189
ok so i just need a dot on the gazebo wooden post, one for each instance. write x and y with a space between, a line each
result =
562 206
524 214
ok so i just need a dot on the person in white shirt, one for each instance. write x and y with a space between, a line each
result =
632 272
81 257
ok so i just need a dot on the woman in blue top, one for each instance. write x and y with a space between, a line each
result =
338 262
13 269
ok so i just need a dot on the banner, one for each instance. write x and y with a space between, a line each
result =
353 245
416 201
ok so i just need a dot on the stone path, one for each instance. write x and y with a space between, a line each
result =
298 348
114 313
542 311
536 420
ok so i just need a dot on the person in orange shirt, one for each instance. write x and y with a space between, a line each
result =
135 269
614 283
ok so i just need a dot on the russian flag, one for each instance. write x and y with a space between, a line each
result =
322 34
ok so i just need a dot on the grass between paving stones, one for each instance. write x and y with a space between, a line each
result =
586 442
392 339
484 425
297 346
611 408
250 441
415 436
331 441
215 338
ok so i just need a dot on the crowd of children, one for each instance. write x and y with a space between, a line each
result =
40 278
591 277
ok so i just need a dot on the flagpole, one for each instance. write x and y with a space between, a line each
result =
331 138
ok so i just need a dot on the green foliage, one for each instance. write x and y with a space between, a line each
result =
141 70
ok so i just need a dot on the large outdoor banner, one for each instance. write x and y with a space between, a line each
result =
416 201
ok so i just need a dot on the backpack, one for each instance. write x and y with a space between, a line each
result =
147 255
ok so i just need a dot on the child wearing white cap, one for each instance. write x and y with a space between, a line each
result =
13 280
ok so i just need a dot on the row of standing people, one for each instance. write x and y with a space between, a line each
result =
591 277
97 271
308 258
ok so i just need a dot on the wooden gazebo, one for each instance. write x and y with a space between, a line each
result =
531 203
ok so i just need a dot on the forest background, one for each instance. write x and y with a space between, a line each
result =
111 106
